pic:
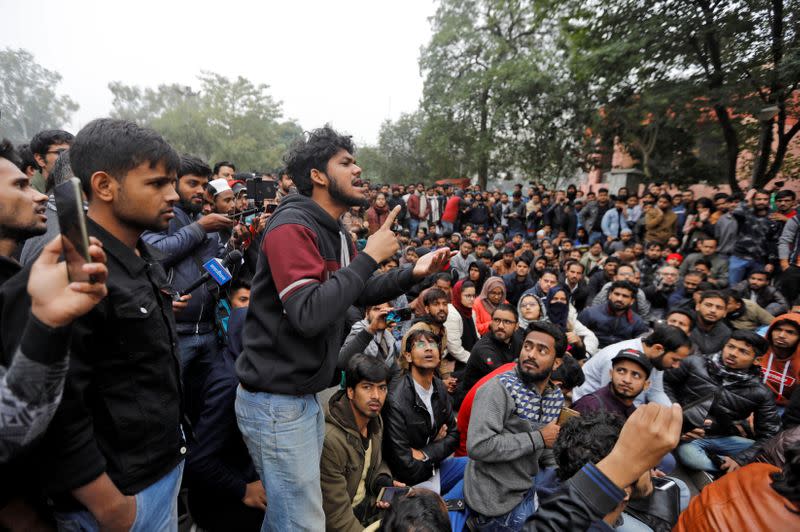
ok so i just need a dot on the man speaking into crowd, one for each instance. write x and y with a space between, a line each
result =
308 274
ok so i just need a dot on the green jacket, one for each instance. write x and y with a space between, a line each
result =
38 181
342 464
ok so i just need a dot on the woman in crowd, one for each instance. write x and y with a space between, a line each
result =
582 341
478 273
493 293
377 214
461 331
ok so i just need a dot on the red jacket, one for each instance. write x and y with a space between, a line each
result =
450 214
462 422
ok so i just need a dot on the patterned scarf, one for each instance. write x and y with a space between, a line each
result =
728 376
528 404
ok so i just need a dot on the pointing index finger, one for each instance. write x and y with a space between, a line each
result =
390 219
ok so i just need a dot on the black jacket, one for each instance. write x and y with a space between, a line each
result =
301 293
579 296
486 355
733 402
407 425
121 409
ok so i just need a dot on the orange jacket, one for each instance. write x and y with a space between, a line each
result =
781 380
739 501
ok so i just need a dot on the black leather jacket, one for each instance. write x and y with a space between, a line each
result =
733 402
407 425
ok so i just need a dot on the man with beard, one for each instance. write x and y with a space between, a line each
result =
665 347
352 468
307 277
757 288
710 332
113 454
491 351
780 366
626 272
630 372
756 233
718 391
718 276
186 244
651 263
514 417
660 289
683 296
614 321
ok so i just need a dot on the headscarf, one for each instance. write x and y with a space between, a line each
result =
523 323
466 312
490 284
557 313
483 271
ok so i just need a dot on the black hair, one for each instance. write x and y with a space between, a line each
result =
704 261
696 273
62 170
508 308
486 255
432 295
652 245
442 276
569 373
668 336
753 339
612 259
8 152
572 262
28 161
785 193
626 285
313 152
117 147
42 141
415 334
550 329
522 258
585 439
603 190
419 510
191 165
365 368
665 195
721 195
551 271
220 164
712 294
787 481
686 312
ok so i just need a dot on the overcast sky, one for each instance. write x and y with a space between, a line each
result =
352 63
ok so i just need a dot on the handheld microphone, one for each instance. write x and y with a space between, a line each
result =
216 269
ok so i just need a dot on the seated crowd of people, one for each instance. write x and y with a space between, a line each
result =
386 356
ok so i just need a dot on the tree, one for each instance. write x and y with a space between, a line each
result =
28 97
732 61
225 119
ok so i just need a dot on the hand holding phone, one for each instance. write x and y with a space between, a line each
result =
72 222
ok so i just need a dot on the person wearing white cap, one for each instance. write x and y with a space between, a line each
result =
221 196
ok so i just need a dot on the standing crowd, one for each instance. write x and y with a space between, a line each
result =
389 357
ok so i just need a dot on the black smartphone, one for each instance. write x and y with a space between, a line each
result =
72 222
399 314
389 494
258 190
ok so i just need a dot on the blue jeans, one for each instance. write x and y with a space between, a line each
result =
693 454
447 227
739 268
156 508
451 472
284 434
594 236
513 520
413 225
200 347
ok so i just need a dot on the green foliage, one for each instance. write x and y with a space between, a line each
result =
227 119
28 97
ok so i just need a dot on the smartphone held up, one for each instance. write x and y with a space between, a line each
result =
72 223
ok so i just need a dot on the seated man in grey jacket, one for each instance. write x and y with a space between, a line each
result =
626 272
512 429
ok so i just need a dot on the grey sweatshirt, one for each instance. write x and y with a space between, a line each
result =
504 448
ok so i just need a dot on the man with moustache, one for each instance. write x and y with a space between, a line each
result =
756 236
186 244
630 374
512 430
352 468
308 275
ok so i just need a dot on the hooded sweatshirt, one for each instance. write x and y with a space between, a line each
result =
307 277
781 375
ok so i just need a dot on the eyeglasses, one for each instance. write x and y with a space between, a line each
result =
504 322
422 344
56 152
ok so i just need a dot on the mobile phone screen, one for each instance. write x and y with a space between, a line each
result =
389 494
72 223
